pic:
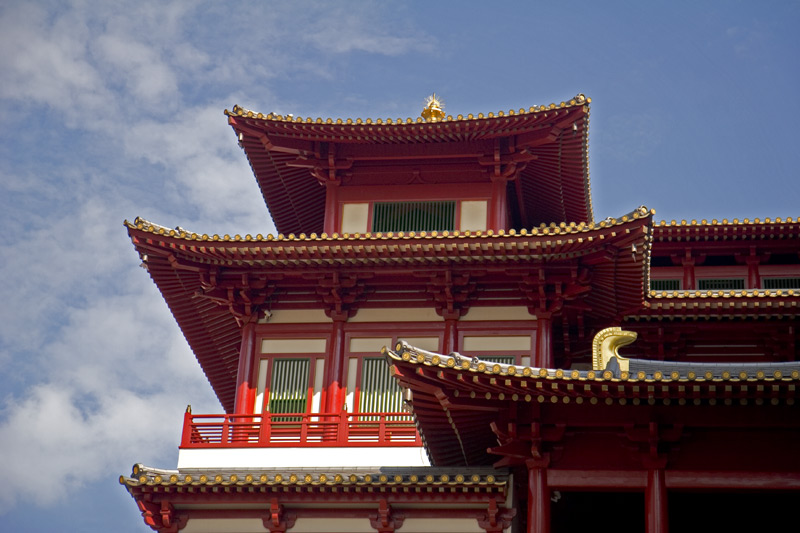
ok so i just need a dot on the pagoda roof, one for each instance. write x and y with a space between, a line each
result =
456 399
168 499
778 234
320 479
554 183
753 303
175 259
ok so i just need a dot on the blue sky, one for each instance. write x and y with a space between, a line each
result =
112 110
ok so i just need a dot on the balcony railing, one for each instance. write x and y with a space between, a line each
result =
289 430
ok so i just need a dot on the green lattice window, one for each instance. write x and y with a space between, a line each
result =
379 392
413 216
781 283
288 390
729 284
665 284
502 359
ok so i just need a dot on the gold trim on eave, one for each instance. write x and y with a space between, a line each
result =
239 111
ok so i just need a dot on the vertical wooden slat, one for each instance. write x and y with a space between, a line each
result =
413 216
379 392
289 386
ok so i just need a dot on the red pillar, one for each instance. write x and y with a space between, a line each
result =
543 352
656 502
335 383
450 343
245 375
688 274
498 206
331 221
753 275
538 499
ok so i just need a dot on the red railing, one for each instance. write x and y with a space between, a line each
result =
299 430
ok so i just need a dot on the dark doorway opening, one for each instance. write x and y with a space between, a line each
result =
733 512
621 512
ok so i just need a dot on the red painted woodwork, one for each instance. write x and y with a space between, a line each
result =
538 498
656 502
298 430
335 384
331 208
497 208
543 355
246 374
688 274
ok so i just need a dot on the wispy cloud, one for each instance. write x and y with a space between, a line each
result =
116 111
364 31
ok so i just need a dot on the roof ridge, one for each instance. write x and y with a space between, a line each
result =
578 100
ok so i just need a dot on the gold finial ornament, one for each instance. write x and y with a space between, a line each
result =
434 109
606 344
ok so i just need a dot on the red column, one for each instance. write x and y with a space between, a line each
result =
688 274
753 275
543 352
245 375
538 498
335 384
331 222
656 502
450 343
498 206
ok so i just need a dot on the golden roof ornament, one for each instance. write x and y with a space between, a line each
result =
434 109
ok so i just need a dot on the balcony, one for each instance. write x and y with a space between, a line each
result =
299 430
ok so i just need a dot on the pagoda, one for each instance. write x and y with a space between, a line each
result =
431 342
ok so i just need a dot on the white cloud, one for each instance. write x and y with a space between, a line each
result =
210 171
147 78
45 62
99 369
363 31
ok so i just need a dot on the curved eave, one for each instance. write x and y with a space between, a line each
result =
391 479
555 186
455 398
720 304
545 242
213 335
616 251
704 231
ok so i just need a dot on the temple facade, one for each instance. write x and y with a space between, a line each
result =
431 342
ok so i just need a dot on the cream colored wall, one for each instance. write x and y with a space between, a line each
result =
224 525
369 344
332 525
485 343
412 314
296 316
473 215
505 313
374 344
289 346
355 217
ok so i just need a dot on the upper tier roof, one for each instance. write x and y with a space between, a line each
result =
546 145
190 270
